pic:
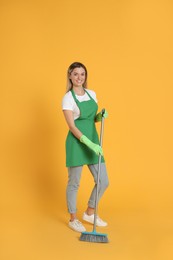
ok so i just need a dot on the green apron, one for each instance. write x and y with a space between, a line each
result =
77 153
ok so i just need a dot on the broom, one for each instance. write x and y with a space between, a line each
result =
94 236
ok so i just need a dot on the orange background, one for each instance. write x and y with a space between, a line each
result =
127 47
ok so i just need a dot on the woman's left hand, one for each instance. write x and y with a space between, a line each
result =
99 116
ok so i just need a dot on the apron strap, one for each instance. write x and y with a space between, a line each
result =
88 94
73 94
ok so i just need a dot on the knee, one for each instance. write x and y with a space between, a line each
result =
73 183
104 184
73 186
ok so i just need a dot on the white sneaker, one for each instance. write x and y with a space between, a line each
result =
90 219
76 225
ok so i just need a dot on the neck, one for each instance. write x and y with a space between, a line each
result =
79 90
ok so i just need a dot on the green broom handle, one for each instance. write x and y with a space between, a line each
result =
98 175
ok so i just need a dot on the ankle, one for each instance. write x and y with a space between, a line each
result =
89 211
72 217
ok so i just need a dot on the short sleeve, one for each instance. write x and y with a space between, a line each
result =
67 103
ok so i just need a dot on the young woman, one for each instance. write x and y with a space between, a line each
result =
82 144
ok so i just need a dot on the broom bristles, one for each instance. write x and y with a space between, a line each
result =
94 237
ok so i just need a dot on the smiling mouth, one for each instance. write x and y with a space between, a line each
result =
79 81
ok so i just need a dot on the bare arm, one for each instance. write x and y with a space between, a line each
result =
68 114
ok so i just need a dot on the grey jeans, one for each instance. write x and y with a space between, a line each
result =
74 176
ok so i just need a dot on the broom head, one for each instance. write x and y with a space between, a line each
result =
94 237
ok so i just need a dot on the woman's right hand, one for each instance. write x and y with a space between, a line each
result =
95 147
98 149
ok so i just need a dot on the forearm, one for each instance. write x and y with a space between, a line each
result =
70 122
75 131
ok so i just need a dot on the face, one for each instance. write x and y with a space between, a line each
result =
77 77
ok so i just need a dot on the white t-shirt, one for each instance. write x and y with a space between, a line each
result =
68 102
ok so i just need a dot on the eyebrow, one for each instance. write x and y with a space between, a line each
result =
79 72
